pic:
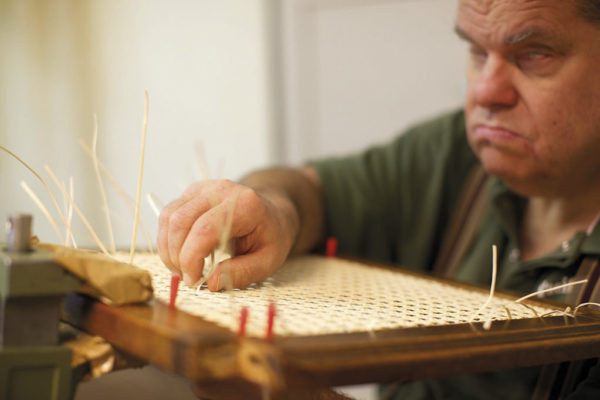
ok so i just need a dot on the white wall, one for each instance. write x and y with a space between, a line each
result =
359 71
205 64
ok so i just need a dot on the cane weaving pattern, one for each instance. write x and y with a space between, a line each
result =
316 295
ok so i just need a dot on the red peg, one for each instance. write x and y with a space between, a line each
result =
331 247
270 321
174 288
243 320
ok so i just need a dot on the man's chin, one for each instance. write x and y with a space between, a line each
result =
516 178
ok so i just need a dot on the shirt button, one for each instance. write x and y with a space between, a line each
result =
565 246
514 255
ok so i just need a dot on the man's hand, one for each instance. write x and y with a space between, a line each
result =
262 229
274 212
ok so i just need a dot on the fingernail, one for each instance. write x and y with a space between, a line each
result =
187 279
174 271
218 282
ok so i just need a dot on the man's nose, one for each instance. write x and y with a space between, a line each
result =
493 85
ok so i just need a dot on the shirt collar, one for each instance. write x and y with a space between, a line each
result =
510 207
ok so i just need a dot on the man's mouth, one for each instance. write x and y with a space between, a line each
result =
495 133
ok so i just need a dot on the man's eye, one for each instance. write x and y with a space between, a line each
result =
538 61
534 56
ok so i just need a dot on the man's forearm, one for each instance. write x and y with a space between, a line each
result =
299 195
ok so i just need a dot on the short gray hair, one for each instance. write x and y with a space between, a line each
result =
589 9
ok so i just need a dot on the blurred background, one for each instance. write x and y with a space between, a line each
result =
234 85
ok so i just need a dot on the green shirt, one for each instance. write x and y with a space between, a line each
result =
393 203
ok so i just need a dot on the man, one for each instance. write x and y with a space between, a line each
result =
531 119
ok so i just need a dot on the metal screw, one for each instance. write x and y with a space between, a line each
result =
19 232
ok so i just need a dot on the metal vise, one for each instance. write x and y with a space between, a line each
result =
33 365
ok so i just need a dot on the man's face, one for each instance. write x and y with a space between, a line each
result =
533 101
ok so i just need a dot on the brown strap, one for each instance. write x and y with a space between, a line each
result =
595 296
463 225
590 291
588 269
551 381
